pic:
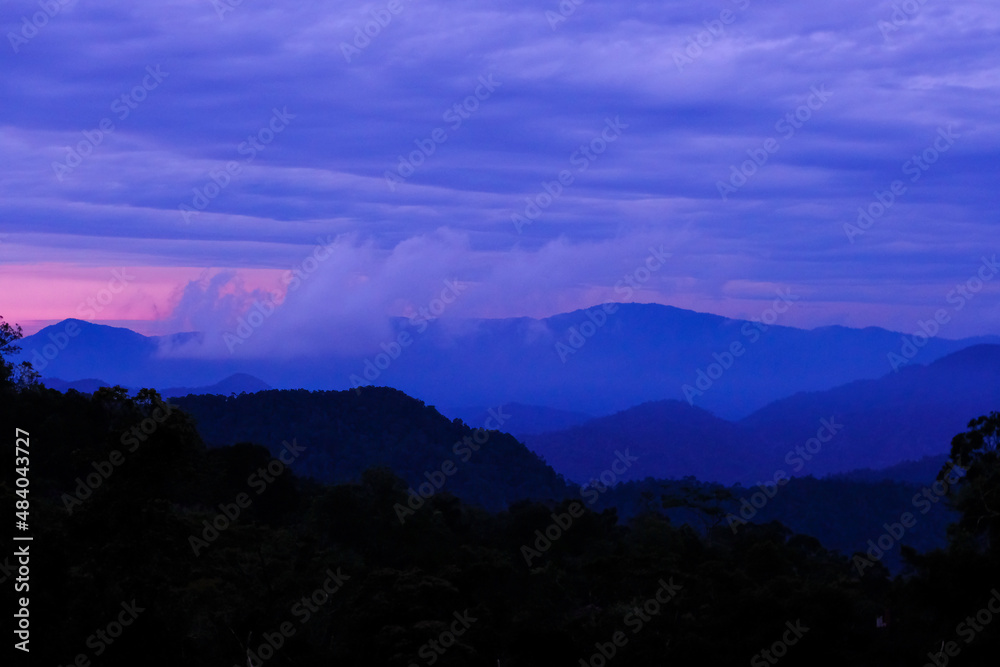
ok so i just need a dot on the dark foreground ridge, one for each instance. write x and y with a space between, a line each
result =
147 540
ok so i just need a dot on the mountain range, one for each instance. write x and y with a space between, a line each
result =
826 401
592 361
875 424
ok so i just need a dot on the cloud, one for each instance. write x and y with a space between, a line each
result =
323 175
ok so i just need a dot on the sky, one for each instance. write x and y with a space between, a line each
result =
167 164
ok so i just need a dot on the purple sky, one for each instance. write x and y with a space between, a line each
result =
199 78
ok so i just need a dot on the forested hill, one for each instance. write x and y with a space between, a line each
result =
346 432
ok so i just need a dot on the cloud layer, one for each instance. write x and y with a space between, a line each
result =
534 152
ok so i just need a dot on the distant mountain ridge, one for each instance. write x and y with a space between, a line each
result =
237 383
902 416
907 472
530 420
909 416
637 353
668 439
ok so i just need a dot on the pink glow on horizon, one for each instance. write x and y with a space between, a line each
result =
37 295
